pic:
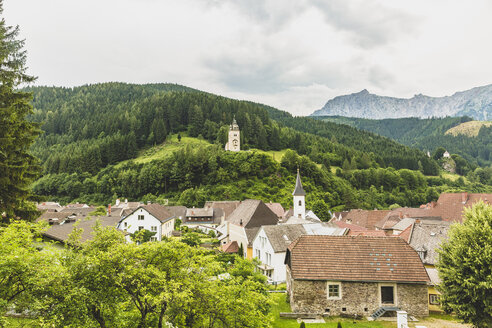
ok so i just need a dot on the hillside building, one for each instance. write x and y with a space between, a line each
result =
234 141
299 199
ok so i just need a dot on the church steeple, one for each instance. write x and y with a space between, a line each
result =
298 190
299 198
234 141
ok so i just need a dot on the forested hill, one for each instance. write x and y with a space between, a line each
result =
93 133
86 128
430 134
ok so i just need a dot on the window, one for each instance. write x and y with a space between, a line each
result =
153 238
141 217
125 224
258 254
300 203
434 299
153 228
268 258
140 228
334 290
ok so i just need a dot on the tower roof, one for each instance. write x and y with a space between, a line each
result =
298 190
234 125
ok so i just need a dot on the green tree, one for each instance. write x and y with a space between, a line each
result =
321 209
240 250
465 267
99 211
17 167
191 239
438 153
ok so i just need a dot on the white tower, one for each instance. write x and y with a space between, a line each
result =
299 199
233 143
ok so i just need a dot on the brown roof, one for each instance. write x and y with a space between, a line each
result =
365 218
351 227
54 217
177 211
276 208
372 233
230 247
405 234
62 232
450 206
356 258
253 213
227 206
158 211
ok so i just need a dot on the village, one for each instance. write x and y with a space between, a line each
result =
361 263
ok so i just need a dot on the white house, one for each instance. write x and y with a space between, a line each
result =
152 217
271 242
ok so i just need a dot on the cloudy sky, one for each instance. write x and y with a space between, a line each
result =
291 54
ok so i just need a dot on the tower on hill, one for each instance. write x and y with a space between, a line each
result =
234 141
299 199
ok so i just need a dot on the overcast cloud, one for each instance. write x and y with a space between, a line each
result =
291 54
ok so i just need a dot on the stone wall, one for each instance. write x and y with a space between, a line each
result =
358 298
413 299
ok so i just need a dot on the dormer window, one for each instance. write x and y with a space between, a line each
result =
422 254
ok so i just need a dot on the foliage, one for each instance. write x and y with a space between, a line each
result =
465 267
99 211
240 250
142 236
18 168
302 325
191 238
110 283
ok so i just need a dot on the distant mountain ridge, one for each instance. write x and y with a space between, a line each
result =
476 103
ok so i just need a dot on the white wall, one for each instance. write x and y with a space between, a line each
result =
149 221
168 228
299 209
237 233
277 259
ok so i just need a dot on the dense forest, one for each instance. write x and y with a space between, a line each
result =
92 133
428 135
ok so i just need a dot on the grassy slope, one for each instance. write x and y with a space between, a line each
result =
469 129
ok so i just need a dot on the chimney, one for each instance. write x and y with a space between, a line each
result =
126 201
464 197
117 202
109 209
241 222
400 214
149 202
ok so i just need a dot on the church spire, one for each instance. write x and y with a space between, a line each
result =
298 190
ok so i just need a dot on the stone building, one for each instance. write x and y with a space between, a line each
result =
355 275
234 140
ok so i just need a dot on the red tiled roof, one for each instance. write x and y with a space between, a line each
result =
351 227
355 258
372 233
365 218
230 247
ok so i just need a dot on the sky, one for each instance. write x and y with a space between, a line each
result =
294 55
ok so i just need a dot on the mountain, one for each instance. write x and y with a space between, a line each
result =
470 139
476 103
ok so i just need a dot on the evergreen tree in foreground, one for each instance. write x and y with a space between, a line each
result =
17 167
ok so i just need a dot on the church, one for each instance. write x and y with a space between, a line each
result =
234 142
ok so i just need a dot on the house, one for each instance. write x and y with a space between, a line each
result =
446 154
152 217
230 247
49 206
227 206
243 224
206 216
271 242
425 237
355 275
61 232
276 208
362 218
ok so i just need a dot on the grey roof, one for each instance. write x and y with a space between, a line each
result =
281 236
433 275
61 232
328 229
177 211
298 190
250 234
54 217
427 237
252 213
403 224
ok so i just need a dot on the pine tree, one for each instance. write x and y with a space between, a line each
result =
17 167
